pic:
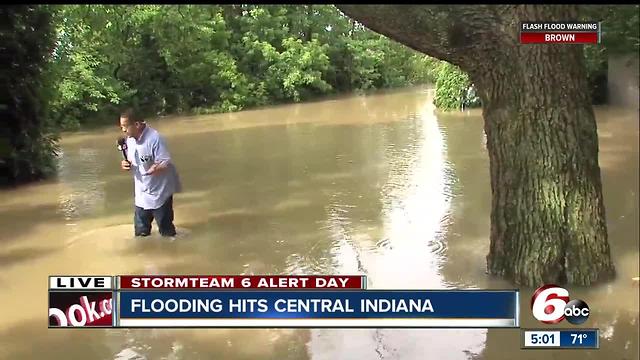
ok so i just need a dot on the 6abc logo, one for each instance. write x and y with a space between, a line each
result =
550 304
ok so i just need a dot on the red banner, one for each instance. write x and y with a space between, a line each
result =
241 282
559 37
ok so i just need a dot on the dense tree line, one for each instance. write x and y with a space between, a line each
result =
74 65
188 58
27 139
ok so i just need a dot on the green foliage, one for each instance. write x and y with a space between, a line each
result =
82 91
595 57
299 69
204 59
77 65
620 26
620 35
451 87
364 59
423 69
27 141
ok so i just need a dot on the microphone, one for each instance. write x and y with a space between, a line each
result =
122 146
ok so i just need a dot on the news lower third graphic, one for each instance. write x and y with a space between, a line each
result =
560 32
298 301
335 308
269 302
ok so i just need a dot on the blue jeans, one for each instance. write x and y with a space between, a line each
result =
164 219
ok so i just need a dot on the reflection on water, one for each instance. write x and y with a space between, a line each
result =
378 185
410 252
85 183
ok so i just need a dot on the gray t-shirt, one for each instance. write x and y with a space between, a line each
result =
151 191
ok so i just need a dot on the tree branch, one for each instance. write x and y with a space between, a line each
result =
460 35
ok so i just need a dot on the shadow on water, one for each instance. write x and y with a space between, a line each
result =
20 220
26 254
49 344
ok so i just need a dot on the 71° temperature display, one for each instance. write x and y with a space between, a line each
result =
561 339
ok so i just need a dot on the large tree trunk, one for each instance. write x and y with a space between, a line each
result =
547 217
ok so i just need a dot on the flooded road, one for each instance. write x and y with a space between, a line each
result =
380 185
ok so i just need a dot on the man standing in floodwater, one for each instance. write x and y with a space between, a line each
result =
155 177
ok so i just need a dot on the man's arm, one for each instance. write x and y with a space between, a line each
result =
161 156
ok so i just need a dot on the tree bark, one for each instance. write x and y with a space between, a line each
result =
547 216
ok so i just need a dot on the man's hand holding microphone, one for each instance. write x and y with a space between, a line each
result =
122 146
126 164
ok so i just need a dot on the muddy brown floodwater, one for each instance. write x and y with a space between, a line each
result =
380 185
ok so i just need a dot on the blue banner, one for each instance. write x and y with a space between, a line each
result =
362 304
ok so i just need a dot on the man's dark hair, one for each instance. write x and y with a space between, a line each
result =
132 115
